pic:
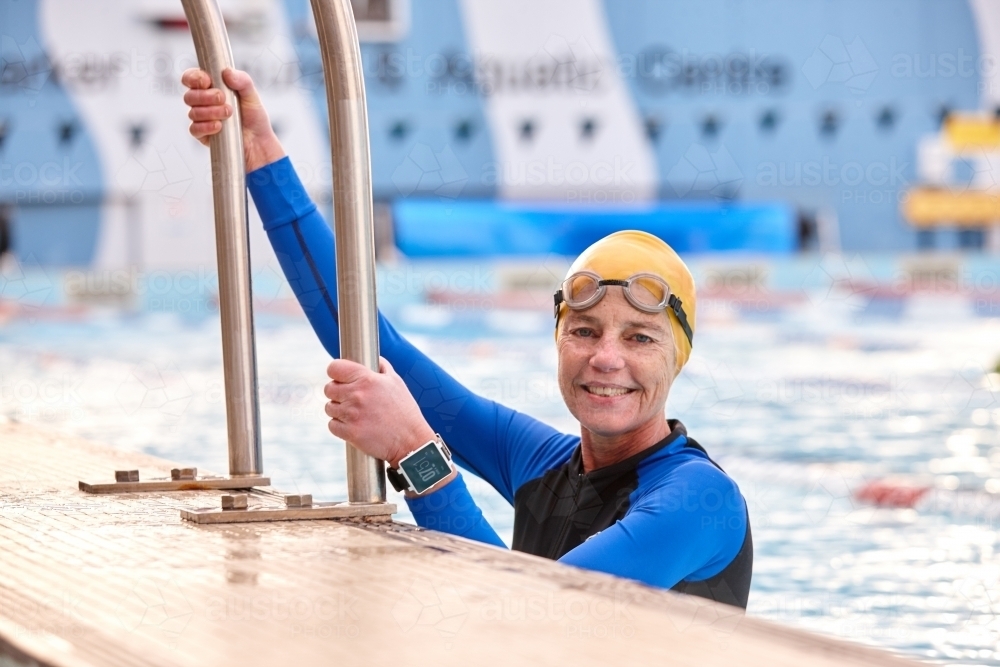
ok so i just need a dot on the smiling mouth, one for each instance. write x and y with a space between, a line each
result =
607 391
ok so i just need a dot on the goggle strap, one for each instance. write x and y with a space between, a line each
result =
676 305
558 298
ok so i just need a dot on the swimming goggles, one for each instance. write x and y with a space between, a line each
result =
646 291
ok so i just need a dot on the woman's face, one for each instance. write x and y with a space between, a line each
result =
616 365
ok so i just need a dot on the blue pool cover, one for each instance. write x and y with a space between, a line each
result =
484 228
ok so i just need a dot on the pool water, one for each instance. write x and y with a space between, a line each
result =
802 400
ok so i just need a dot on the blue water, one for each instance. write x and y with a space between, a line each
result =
802 396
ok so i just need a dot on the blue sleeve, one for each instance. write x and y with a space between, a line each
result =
452 510
688 528
503 446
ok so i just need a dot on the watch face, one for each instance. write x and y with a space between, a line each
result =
425 468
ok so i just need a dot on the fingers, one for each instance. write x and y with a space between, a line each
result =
207 121
241 82
202 131
347 376
346 371
341 430
336 391
339 425
196 78
208 105
339 411
199 114
348 392
345 422
200 84
204 98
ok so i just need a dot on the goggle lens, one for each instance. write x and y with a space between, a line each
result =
581 289
648 291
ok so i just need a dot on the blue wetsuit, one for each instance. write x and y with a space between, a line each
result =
668 516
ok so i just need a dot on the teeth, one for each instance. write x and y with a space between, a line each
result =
607 391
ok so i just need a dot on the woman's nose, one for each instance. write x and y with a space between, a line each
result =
608 355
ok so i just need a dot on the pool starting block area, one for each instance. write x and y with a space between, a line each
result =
122 579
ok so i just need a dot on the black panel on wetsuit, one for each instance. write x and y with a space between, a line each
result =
558 511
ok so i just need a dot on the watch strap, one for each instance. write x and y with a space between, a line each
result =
397 480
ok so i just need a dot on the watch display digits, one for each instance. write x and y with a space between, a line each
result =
422 468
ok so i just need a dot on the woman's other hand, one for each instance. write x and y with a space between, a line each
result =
209 109
375 412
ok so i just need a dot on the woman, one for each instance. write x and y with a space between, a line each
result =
632 495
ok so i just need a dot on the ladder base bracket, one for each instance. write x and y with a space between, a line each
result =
205 483
371 512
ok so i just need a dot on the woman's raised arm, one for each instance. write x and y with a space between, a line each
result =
504 447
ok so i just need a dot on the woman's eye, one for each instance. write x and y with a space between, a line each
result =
643 338
584 332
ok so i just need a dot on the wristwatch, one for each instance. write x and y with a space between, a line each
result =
422 468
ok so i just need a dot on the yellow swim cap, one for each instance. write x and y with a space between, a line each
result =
621 255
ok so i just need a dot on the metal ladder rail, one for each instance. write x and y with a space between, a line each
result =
239 357
355 251
352 213
352 195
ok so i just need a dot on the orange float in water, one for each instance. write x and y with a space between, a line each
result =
891 493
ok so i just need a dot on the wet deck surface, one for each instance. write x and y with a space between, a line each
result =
121 580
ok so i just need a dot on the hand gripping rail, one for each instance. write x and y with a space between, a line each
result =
355 278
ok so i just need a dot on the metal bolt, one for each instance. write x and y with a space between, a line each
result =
126 476
234 501
299 500
178 474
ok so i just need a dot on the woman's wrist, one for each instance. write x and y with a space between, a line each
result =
267 151
423 436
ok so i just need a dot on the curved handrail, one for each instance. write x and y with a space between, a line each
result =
239 357
352 213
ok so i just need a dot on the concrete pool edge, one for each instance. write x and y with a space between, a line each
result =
121 580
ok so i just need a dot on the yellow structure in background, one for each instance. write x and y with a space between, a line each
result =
972 132
934 207
972 137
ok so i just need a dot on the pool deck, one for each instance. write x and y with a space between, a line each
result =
108 580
